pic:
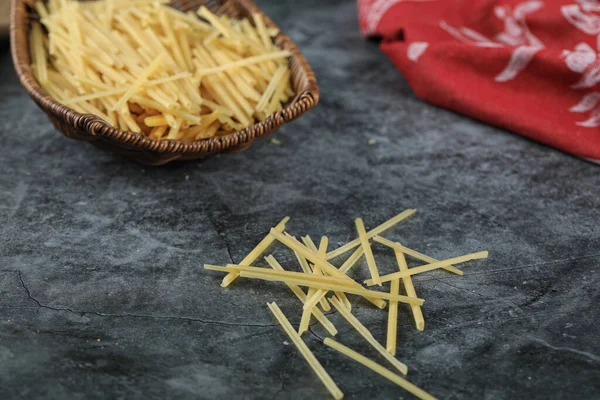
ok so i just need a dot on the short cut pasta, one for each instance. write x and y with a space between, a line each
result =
145 67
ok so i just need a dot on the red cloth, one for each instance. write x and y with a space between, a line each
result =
530 66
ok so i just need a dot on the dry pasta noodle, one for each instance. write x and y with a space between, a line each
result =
365 333
430 267
375 231
317 273
368 294
312 292
323 264
308 242
340 295
410 290
397 379
392 328
306 353
301 260
322 250
122 59
413 253
283 274
351 261
364 241
243 62
329 327
256 252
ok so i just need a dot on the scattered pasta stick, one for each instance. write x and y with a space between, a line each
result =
323 246
397 379
362 235
392 328
322 250
306 353
318 296
312 292
318 274
371 294
308 242
413 253
431 267
329 327
340 295
410 290
375 231
349 263
301 260
364 332
304 322
322 263
256 252
283 274
314 299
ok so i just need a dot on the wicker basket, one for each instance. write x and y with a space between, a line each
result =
138 147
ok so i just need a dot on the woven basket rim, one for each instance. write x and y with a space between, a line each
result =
95 126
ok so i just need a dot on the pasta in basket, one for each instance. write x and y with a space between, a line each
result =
145 67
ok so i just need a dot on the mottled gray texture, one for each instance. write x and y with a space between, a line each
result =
93 246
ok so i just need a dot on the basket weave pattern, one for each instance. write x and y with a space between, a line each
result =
90 128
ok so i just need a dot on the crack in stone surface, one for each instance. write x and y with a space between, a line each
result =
221 235
526 266
513 304
129 315
586 354
282 376
314 334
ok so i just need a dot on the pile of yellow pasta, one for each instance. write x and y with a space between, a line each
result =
321 277
145 67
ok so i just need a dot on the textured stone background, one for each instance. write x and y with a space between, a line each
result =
103 295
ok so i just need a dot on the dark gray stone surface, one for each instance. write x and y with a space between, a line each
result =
103 294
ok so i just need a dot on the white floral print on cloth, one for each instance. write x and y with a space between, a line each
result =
516 34
583 15
376 10
531 66
584 59
415 50
589 103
